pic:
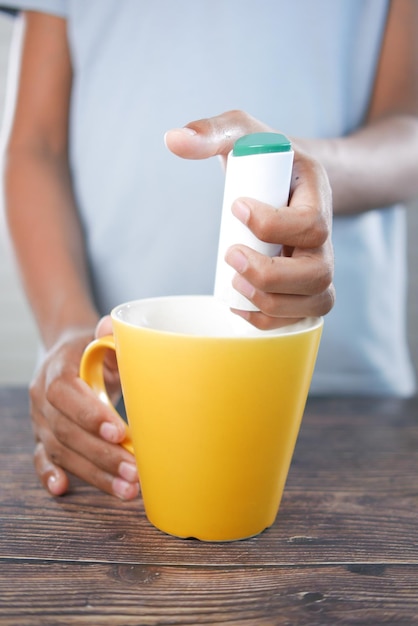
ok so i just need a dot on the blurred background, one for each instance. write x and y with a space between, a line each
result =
18 335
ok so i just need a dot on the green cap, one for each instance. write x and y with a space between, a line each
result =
261 143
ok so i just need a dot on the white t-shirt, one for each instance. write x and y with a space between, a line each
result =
151 220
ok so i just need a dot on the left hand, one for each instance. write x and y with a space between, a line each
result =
298 283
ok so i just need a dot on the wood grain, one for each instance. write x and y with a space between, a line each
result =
343 550
56 593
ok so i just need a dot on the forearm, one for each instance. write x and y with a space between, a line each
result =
48 242
374 167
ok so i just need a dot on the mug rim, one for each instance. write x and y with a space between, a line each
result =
313 322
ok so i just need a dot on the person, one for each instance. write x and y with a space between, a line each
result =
100 211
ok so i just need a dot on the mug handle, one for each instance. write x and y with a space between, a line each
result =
91 371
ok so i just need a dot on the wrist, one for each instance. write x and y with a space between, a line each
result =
69 329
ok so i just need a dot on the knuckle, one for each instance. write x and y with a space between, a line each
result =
62 431
50 446
34 393
89 417
264 225
320 231
267 303
53 391
318 171
237 114
262 322
263 276
38 452
263 283
325 302
97 477
316 229
245 121
329 300
323 279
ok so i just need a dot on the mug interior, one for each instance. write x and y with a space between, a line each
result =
198 316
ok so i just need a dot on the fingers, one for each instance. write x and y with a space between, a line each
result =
281 289
277 310
284 288
306 222
69 399
106 466
298 283
53 478
307 273
304 226
212 136
123 485
110 371
104 327
75 431
310 188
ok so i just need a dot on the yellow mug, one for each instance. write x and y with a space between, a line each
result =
214 408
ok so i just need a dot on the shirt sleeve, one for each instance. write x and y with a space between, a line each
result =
55 7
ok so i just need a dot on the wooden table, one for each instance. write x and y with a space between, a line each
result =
343 550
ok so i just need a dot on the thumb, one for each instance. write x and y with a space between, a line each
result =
213 136
104 327
110 370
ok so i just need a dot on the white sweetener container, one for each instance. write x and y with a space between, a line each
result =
260 167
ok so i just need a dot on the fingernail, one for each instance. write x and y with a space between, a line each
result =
243 286
244 314
128 471
124 490
110 432
241 210
52 481
236 259
53 486
182 131
188 131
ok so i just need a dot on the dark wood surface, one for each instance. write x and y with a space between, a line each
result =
343 550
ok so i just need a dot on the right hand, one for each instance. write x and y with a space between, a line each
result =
298 283
74 431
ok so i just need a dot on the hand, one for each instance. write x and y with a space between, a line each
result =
74 430
298 283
